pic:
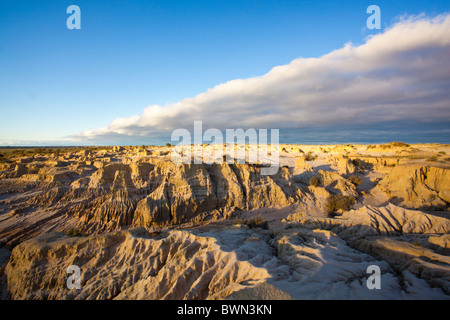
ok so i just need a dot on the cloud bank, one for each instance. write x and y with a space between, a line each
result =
402 74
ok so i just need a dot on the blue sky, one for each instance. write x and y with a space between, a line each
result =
56 82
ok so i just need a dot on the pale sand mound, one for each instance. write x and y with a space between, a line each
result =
393 220
407 257
228 263
416 249
440 244
263 291
121 265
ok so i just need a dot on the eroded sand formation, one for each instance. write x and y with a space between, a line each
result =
141 227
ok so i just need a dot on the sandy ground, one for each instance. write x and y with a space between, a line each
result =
301 251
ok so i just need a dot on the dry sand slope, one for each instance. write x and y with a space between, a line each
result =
142 227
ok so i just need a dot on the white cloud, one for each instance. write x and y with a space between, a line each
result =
401 74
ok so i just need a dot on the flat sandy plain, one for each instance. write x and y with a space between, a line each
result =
139 226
